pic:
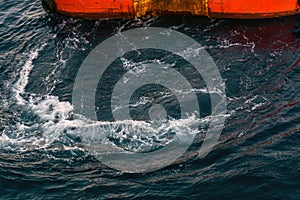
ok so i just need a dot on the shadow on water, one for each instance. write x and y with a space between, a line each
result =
224 39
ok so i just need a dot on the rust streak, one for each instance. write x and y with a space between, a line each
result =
157 7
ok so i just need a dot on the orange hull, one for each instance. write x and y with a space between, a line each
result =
135 8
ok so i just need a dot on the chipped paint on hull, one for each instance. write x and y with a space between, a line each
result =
157 7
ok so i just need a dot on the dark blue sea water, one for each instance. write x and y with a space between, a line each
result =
42 153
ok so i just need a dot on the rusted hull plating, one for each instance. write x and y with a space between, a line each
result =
244 9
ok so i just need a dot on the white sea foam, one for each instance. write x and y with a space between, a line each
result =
20 85
56 118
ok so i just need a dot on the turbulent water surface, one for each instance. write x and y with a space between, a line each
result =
43 154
